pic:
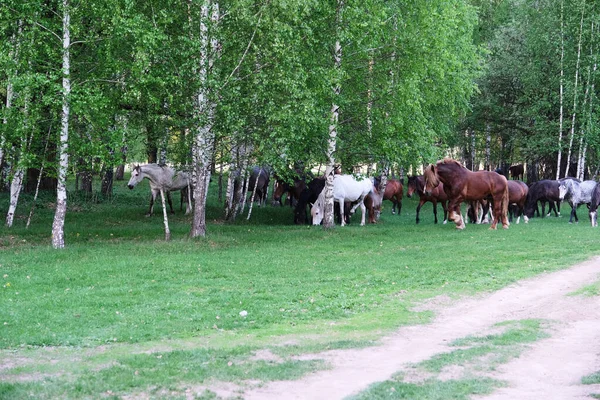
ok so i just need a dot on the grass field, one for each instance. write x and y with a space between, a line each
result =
120 311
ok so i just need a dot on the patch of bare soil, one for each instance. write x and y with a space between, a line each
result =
551 368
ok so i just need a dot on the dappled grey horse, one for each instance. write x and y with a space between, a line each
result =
576 194
162 178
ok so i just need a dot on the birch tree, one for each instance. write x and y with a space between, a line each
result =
58 234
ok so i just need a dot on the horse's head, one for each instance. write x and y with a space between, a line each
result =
562 189
431 179
136 177
317 210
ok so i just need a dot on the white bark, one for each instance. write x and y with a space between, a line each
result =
165 218
204 140
562 74
328 217
572 134
488 142
253 194
58 235
15 189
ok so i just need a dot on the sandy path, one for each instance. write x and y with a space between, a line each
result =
551 369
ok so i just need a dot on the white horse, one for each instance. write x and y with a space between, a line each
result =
345 188
576 193
162 178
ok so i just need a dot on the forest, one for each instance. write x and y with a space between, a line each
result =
215 87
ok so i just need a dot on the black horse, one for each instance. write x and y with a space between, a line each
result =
260 178
594 206
307 196
545 191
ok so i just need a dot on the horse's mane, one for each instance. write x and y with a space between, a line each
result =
449 160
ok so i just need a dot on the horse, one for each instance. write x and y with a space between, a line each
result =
281 187
417 184
162 178
517 196
460 185
259 177
393 192
345 188
516 171
543 191
576 193
308 195
594 206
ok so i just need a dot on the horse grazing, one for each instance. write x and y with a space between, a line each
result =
345 188
517 196
259 179
417 184
294 191
460 185
544 191
576 194
516 171
393 192
162 178
308 195
594 206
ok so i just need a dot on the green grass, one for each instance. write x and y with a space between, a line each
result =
119 283
431 389
588 290
592 379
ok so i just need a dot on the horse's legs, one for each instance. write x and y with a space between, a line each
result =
434 211
421 202
342 220
170 202
399 205
445 208
363 210
393 205
573 213
153 195
455 216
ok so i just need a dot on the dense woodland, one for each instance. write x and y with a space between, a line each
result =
218 86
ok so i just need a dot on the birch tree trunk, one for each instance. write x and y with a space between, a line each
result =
488 142
572 134
204 140
165 217
328 220
58 235
562 75
253 194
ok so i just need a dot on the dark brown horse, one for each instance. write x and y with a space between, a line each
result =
460 185
516 171
293 191
417 184
517 197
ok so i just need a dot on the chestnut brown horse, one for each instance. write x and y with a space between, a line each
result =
460 185
417 184
517 197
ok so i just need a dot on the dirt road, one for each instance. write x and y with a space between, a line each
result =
550 368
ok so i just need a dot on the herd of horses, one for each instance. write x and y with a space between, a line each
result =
487 194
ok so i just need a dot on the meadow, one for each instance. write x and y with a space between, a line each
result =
122 312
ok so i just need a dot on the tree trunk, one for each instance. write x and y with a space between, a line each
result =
58 236
562 74
328 217
204 139
572 134
488 142
165 217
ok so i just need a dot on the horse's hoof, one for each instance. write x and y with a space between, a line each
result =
505 226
